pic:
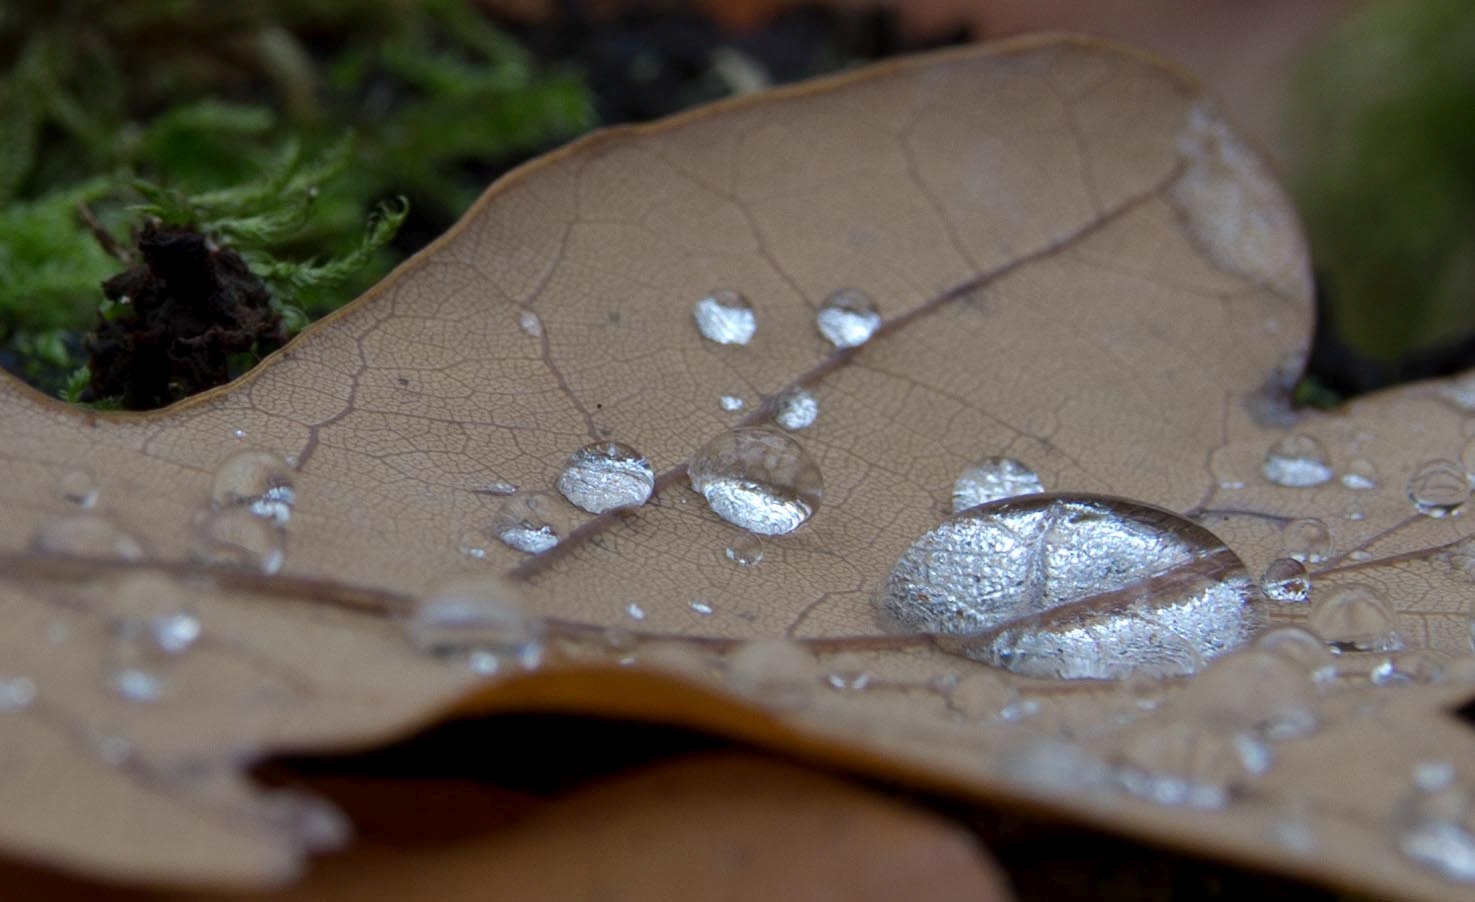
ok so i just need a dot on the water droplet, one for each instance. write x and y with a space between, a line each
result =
523 524
1360 476
731 403
238 433
848 318
1307 540
795 409
1302 648
1075 586
175 632
478 614
745 550
314 823
136 685
78 488
991 479
236 537
1439 488
530 324
1434 825
16 694
606 476
474 544
1355 618
1232 485
725 317
1286 581
1185 763
759 479
847 673
1056 767
1294 833
1297 461
257 480
499 488
1256 690
776 672
1409 668
982 696
700 608
1141 692
86 535
634 611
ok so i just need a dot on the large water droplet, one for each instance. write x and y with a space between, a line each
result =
1434 825
1297 461
777 672
1302 648
1307 540
991 479
237 537
1256 690
1355 618
725 317
79 488
1075 586
478 619
848 318
257 480
1439 488
606 476
795 409
759 479
86 535
523 523
1286 581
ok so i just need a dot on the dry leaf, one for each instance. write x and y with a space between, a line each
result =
1078 265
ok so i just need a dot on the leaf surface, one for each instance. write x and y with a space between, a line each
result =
1078 265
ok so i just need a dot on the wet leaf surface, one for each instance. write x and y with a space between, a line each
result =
1077 265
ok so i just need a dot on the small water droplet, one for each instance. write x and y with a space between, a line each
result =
1434 824
1416 667
236 537
1232 485
847 673
257 480
991 479
1286 581
606 476
523 524
175 632
86 535
725 317
795 409
982 696
1074 586
1186 763
634 611
474 544
759 479
16 694
238 433
477 614
745 550
1307 540
1439 488
1294 833
1141 692
1297 461
700 608
1360 476
776 672
499 488
848 318
1056 767
1359 554
79 488
313 823
1302 648
731 403
136 685
1256 690
1355 618
530 324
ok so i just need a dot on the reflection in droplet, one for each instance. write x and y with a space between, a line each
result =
776 672
1297 461
16 694
86 535
530 324
700 608
1360 475
236 537
1416 667
730 403
257 480
522 523
1307 540
1434 825
757 478
795 409
1286 581
1302 648
634 611
745 550
1256 690
991 479
848 318
1074 586
606 476
478 615
725 317
1439 488
78 488
1355 618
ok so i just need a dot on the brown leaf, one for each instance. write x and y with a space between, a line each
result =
1078 265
